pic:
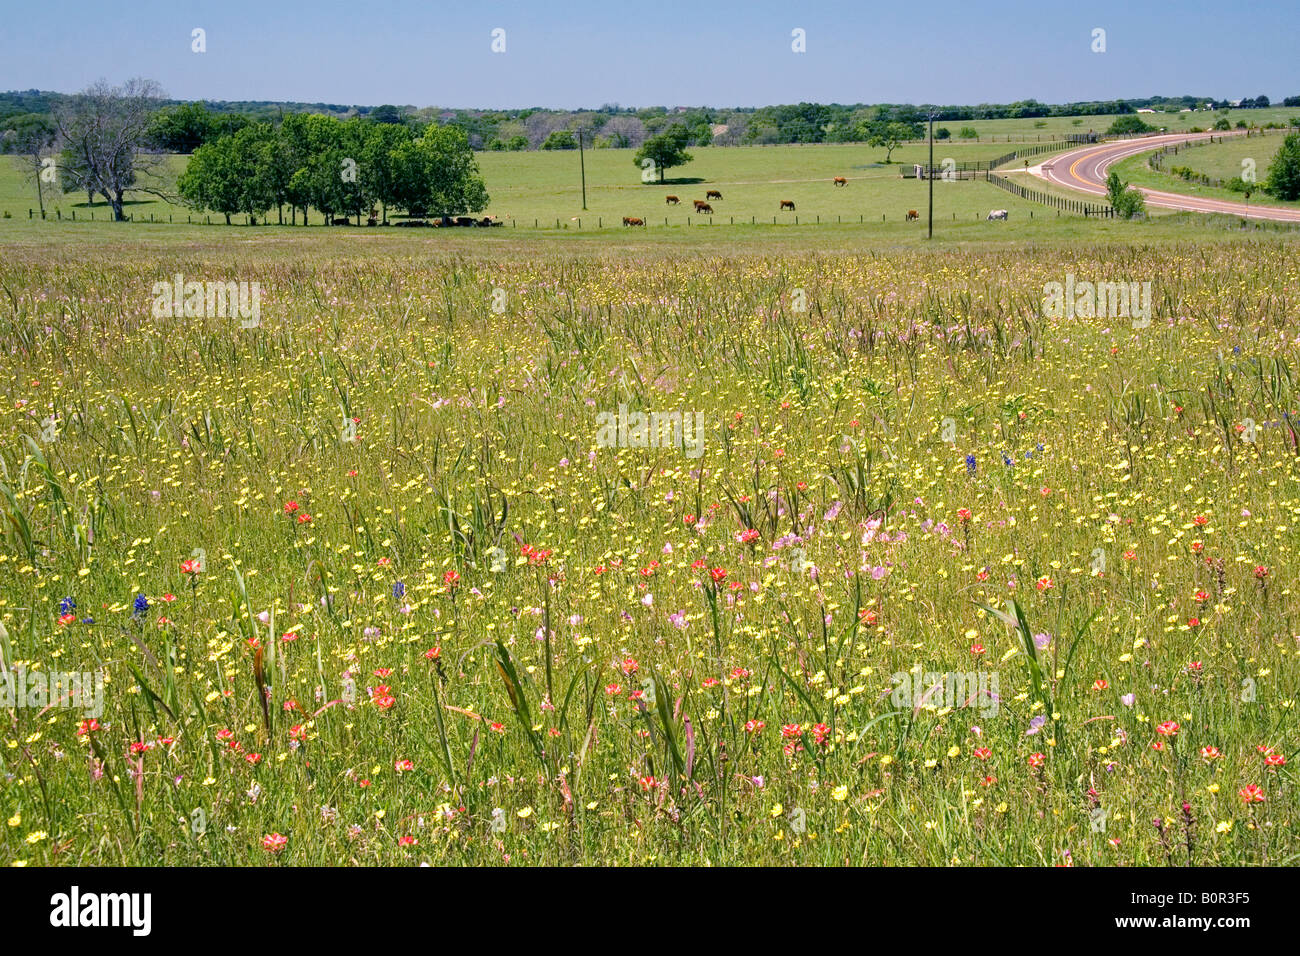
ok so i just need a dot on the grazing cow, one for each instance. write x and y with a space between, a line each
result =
671 201
704 208
997 214
633 221
912 214
342 222
841 181
787 204
699 204
712 194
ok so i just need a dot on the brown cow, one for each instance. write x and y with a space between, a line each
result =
633 221
912 214
841 181
787 204
699 204
712 194
671 201
704 208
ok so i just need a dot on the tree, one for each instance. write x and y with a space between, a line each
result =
107 130
1126 125
33 139
1283 180
888 136
378 166
560 139
1124 199
181 129
385 114
244 173
437 173
665 150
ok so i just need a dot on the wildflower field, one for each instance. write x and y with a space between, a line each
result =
918 575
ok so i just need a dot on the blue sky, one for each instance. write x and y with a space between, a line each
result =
576 53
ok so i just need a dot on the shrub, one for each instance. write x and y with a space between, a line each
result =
1131 123
1124 199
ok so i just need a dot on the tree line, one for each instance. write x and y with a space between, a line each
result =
337 167
181 127
103 141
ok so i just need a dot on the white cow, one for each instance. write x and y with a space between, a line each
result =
997 214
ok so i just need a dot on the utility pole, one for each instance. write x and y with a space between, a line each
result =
929 174
582 165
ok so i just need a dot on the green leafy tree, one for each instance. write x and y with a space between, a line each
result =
236 174
1283 180
665 150
889 136
560 139
437 173
1126 125
181 129
378 166
1124 199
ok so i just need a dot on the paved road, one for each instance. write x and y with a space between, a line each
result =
1085 170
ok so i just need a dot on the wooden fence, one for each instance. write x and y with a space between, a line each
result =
1076 206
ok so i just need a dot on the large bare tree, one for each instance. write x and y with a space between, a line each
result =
103 133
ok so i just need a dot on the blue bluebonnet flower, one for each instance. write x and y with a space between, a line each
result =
970 464
141 605
399 590
67 606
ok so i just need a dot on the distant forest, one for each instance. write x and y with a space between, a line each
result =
183 126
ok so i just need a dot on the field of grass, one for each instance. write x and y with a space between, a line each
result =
1221 161
543 187
949 581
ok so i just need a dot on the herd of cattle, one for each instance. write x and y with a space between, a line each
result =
705 207
440 221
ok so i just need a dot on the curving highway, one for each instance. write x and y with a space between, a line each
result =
1085 169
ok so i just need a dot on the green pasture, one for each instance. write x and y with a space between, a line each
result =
546 187
543 190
